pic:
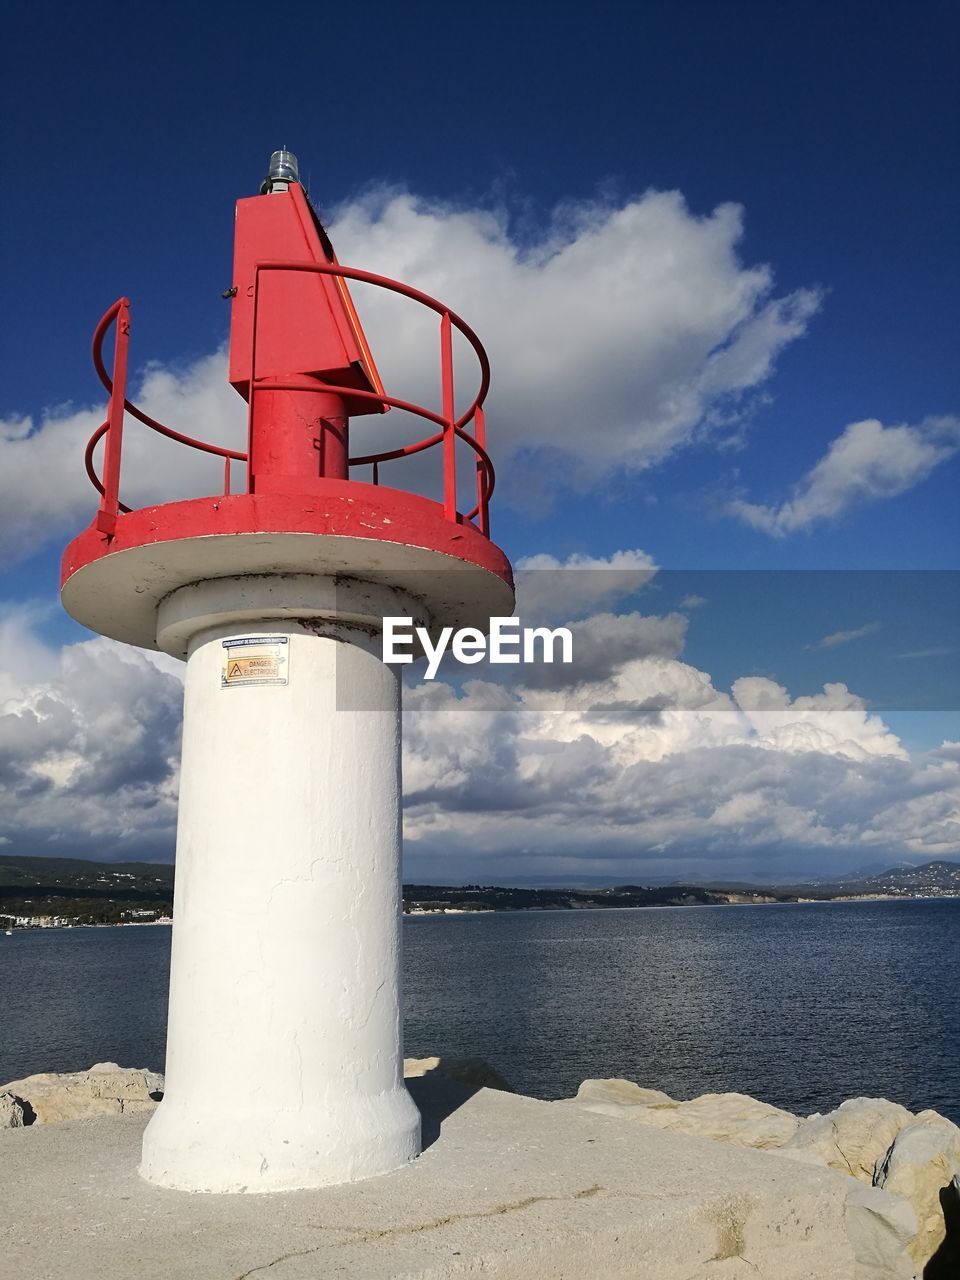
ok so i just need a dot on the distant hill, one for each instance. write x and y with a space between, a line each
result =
74 874
920 880
932 879
84 891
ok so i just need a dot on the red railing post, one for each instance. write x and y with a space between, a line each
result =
483 503
253 376
449 419
110 500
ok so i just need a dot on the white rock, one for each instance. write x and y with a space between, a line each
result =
882 1232
512 1188
798 1156
853 1138
109 1089
923 1159
621 1093
106 1089
724 1117
11 1112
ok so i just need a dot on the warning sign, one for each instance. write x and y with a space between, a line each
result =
255 660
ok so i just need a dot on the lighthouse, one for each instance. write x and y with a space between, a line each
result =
284 1042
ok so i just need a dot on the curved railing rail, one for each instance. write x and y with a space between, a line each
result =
452 427
112 428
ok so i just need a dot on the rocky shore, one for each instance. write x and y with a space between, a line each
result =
880 1143
902 1222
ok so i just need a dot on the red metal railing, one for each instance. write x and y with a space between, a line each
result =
452 427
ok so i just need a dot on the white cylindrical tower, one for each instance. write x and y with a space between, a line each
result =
284 1046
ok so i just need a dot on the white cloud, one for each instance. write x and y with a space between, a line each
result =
866 463
845 637
44 489
638 760
655 767
25 658
642 761
835 721
611 338
622 334
89 756
604 644
558 590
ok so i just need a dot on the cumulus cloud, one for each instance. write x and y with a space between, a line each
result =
644 763
615 337
866 463
639 762
604 643
89 756
621 334
44 489
655 767
835 721
549 589
25 658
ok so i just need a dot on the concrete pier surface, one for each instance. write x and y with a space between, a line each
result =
506 1186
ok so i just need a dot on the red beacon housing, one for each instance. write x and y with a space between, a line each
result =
299 358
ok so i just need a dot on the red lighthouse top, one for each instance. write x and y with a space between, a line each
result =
300 359
308 324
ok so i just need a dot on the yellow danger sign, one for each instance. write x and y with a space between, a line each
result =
253 669
254 660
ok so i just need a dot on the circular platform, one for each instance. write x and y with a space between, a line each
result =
369 532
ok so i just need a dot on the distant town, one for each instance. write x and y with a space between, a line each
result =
43 893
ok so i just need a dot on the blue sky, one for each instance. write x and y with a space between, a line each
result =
827 129
831 125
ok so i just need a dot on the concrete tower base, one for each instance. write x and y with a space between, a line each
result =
284 1051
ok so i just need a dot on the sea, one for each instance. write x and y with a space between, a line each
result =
801 1005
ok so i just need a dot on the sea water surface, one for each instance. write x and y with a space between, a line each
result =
801 1005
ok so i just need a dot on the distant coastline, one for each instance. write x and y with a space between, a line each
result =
70 893
423 912
676 906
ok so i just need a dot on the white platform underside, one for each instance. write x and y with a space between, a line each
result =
119 594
